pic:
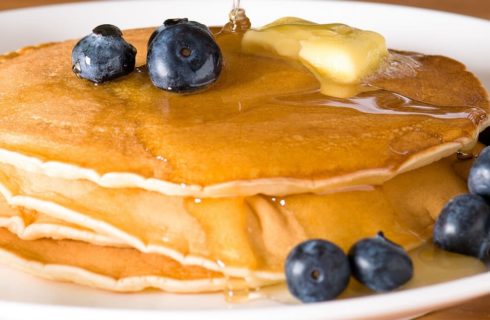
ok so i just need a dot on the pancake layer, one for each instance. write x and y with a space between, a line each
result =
243 237
264 122
124 187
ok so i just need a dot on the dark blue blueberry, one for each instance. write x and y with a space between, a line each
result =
463 226
107 30
166 23
479 178
103 55
484 137
317 270
183 57
174 21
380 264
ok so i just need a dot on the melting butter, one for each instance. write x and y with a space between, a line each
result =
338 55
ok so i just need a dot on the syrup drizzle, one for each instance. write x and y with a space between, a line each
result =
238 20
431 266
236 6
383 102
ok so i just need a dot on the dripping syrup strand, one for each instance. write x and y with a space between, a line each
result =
235 11
236 8
238 20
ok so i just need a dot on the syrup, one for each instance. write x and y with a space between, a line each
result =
237 290
431 266
238 20
264 116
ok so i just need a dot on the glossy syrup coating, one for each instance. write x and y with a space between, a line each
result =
264 118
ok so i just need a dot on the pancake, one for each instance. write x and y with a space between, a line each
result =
107 268
141 128
275 224
192 190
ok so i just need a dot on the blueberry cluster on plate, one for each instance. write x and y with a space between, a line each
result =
182 56
318 270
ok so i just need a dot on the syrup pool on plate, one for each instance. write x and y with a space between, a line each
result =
431 266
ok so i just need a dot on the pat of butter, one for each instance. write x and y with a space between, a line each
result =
338 55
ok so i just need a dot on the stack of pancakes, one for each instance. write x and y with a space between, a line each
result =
122 186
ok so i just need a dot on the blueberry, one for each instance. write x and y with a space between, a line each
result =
174 21
484 137
107 30
463 226
103 55
380 264
317 270
183 56
479 177
166 23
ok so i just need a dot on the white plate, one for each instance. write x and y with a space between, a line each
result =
464 38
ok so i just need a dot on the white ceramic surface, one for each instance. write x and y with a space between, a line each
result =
464 38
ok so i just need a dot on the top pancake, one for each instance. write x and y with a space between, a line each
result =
263 127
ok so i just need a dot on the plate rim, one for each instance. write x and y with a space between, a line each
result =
310 310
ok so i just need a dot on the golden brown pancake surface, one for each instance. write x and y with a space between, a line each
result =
263 119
